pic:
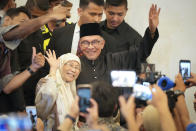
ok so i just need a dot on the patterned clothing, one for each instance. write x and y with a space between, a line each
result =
109 123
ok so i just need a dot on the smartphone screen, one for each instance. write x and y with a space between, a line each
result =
123 78
15 122
84 95
32 114
185 69
142 92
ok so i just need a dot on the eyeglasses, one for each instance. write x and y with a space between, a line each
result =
94 43
71 65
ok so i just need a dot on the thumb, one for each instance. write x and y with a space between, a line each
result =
122 101
34 52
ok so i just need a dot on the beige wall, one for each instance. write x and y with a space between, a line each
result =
177 39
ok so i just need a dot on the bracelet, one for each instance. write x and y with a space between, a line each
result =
71 118
30 71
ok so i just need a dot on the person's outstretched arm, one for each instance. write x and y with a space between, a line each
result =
181 103
159 100
128 111
73 114
30 26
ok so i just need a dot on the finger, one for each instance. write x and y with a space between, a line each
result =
54 54
154 89
88 110
94 103
122 101
47 53
150 12
155 8
83 114
176 78
34 52
46 59
159 11
50 52
192 74
131 100
152 8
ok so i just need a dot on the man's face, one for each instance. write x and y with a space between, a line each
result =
115 15
22 17
91 14
91 46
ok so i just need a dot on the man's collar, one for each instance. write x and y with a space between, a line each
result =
120 28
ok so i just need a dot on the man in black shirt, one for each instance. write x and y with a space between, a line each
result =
115 25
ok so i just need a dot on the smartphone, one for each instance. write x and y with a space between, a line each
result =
15 122
32 114
84 93
185 69
142 92
123 78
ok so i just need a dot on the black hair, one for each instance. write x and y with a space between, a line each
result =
3 3
30 4
116 3
12 12
106 97
85 3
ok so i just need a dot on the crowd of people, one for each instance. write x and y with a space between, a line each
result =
43 58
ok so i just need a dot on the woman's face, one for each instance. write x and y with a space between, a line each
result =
70 71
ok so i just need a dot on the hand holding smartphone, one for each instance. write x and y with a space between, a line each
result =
84 93
185 69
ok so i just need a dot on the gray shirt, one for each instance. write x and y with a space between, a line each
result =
9 44
5 70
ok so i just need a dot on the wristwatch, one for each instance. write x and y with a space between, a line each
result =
178 93
30 71
71 118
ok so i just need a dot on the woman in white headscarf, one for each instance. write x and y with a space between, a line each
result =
55 93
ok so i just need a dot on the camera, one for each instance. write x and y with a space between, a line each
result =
149 74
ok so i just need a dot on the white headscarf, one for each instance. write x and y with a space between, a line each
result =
66 91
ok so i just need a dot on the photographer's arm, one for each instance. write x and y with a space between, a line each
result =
159 100
74 112
181 104
177 120
183 111
128 111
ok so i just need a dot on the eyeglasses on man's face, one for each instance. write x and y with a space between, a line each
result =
94 43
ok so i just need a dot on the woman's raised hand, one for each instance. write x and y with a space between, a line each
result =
52 60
